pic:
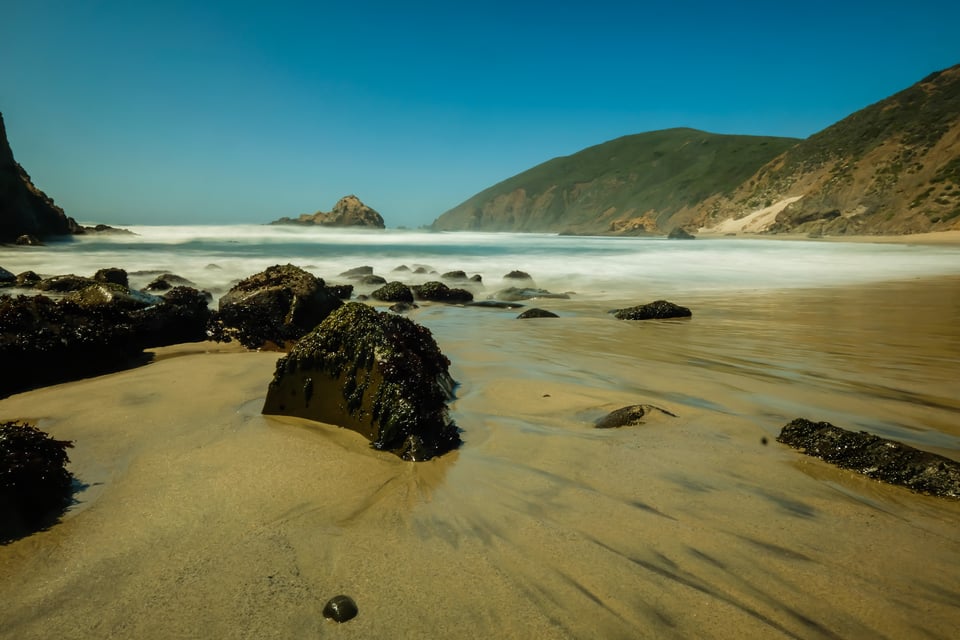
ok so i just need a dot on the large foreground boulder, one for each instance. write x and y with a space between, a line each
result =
275 307
876 457
35 486
376 373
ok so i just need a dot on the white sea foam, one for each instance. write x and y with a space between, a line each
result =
215 256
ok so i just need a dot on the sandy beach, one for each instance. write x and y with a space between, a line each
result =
199 517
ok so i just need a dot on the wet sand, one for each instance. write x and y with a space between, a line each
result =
201 517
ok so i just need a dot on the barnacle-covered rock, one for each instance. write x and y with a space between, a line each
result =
876 457
656 310
376 373
275 307
35 486
439 292
393 292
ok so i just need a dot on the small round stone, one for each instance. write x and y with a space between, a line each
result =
340 608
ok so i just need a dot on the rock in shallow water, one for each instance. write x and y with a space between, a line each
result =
340 609
876 457
376 373
630 416
656 310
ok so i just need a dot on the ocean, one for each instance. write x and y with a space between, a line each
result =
214 257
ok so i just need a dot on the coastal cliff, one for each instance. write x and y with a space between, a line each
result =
348 212
25 209
890 168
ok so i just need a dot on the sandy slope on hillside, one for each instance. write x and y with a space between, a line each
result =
754 222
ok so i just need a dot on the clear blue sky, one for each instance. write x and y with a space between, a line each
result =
178 112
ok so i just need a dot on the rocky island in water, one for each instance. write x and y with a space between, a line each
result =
348 212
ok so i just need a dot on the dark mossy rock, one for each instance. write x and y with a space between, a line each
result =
28 279
181 315
357 272
403 307
393 292
886 460
630 416
103 294
35 486
372 279
275 307
6 278
112 274
44 342
438 292
457 275
679 233
28 240
495 304
511 294
167 281
340 291
518 275
536 313
659 309
376 373
64 283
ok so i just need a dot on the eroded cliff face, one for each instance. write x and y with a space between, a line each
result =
25 209
891 168
348 212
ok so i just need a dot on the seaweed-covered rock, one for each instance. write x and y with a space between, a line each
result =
35 486
275 307
393 292
340 291
630 416
45 342
27 279
536 313
167 281
457 275
511 294
181 315
112 274
376 373
64 283
103 294
876 457
438 292
657 310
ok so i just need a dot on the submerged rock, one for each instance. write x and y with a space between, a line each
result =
275 307
376 373
659 309
536 313
35 486
631 416
511 294
876 457
340 609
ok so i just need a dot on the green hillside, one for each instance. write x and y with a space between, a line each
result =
633 184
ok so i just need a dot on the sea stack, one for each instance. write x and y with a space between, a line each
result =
348 212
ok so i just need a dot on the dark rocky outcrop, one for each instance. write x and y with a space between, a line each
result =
536 313
876 457
376 373
393 292
679 233
659 309
64 283
25 210
35 486
357 272
7 278
183 315
112 274
275 307
340 291
495 304
348 212
167 281
631 416
438 292
511 294
28 240
372 279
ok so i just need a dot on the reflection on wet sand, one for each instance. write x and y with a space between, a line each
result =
207 515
